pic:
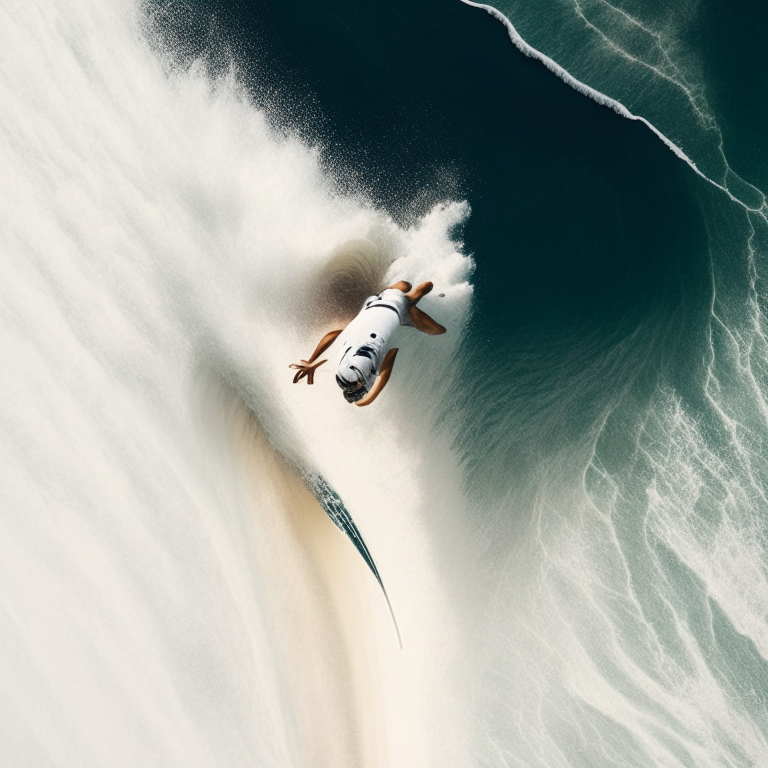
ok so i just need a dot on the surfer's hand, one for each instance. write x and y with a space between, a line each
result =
305 369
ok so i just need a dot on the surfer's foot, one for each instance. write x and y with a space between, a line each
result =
419 292
402 285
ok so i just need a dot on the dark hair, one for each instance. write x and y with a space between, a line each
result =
353 395
354 390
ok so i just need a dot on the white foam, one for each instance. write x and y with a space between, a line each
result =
156 235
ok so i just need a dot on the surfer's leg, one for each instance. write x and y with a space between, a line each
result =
419 292
401 285
423 322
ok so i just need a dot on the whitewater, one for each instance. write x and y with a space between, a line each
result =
171 590
172 593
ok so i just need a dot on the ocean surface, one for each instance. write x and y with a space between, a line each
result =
566 496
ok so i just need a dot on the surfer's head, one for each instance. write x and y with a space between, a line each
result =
352 393
357 371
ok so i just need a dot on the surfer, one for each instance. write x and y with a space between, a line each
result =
367 358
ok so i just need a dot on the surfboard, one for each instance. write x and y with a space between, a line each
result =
334 507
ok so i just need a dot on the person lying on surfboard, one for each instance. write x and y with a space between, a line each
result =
366 356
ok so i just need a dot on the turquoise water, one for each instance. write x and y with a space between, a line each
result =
566 496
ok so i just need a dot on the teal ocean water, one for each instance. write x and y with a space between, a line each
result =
566 496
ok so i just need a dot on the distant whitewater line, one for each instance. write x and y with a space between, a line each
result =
599 97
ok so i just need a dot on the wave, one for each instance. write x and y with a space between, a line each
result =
174 594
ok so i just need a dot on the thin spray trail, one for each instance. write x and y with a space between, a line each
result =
334 507
675 77
748 349
620 109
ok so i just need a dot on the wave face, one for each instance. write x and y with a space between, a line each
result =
163 602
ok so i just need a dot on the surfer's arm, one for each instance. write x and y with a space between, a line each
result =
421 321
325 342
307 367
381 379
